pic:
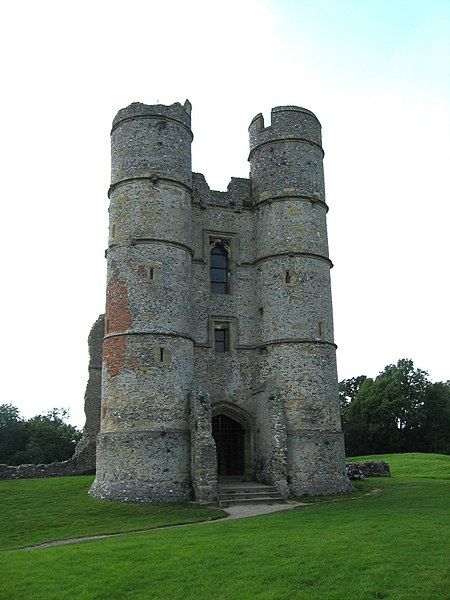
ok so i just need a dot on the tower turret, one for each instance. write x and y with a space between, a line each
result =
299 357
143 445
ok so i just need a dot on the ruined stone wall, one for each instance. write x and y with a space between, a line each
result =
83 460
93 395
203 449
72 466
372 468
271 441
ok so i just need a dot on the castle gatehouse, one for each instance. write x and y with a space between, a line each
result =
218 354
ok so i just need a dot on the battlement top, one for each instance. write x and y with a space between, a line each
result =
281 109
175 112
287 122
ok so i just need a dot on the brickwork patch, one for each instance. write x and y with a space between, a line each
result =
114 354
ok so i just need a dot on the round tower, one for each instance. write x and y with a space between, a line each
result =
143 445
298 351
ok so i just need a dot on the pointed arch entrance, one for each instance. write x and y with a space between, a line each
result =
232 433
229 436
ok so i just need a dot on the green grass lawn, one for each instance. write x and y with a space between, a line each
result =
33 511
393 544
414 464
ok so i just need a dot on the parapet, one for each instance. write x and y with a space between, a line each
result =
174 112
238 193
287 123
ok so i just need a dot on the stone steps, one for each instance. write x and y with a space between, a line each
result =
251 485
229 502
248 494
243 494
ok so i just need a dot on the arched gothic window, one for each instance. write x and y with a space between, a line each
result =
219 270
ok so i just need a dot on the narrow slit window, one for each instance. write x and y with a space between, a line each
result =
219 270
151 273
161 355
288 277
221 337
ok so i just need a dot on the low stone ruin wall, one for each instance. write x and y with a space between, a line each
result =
81 463
83 460
372 468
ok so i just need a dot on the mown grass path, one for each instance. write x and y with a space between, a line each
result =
394 544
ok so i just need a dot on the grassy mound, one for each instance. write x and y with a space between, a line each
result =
40 510
391 543
413 464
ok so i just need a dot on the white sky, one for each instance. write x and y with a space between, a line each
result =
377 74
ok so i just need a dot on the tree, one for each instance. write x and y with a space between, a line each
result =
348 388
13 433
435 419
398 411
42 439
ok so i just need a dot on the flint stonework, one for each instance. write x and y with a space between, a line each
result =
176 413
372 468
203 449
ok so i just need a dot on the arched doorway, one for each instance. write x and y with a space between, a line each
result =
229 436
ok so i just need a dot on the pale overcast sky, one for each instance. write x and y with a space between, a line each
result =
376 73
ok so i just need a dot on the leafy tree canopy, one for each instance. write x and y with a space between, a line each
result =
398 411
42 439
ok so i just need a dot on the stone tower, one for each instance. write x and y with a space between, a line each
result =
143 445
218 356
293 271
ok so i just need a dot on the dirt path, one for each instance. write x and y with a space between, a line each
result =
239 511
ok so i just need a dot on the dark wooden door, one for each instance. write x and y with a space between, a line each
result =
229 436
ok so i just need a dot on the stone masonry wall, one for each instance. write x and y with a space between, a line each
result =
271 453
372 468
293 269
278 377
203 449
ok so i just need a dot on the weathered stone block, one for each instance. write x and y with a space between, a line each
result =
372 468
